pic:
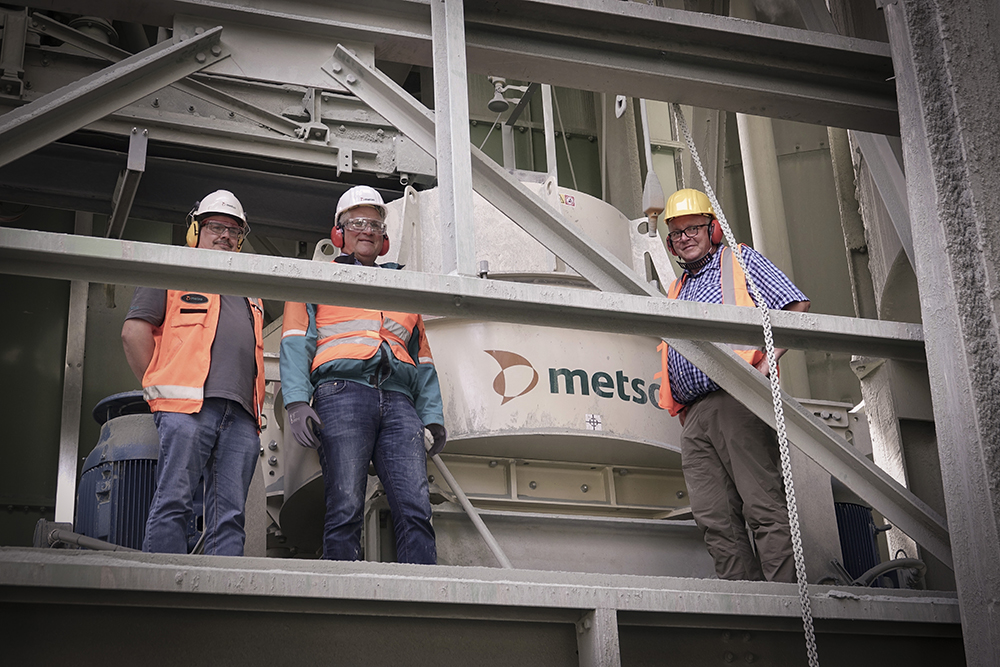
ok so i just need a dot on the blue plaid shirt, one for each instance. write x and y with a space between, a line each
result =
687 383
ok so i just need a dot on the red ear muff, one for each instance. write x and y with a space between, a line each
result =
715 231
337 236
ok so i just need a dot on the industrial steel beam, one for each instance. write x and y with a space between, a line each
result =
128 182
948 101
70 108
69 257
890 183
454 166
493 182
69 422
623 48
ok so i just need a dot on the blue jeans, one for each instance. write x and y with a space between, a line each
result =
362 424
219 442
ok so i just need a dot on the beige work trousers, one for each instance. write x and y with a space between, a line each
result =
733 475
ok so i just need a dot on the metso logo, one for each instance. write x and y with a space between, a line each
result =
510 360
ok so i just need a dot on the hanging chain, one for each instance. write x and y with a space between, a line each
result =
779 414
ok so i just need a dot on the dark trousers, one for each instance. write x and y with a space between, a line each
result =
733 475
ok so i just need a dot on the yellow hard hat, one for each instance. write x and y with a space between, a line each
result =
687 202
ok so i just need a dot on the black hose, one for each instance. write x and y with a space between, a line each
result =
871 575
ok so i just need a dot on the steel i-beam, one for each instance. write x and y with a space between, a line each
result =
72 107
454 167
128 182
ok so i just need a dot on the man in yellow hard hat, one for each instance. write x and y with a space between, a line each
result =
729 456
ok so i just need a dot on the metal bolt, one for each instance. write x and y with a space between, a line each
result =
351 79
216 50
27 85
729 656
623 472
156 102
726 636
357 162
271 473
262 450
430 479
584 488
522 129
273 445
380 133
750 657
342 128
201 57
191 109
591 138
493 464
45 62
232 114
680 494
135 130
746 636
272 461
199 30
336 67
474 122
145 133
532 485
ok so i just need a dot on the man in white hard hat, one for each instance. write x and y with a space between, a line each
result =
374 389
200 359
729 456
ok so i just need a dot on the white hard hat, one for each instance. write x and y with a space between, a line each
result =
360 195
220 201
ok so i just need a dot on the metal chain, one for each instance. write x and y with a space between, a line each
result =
779 414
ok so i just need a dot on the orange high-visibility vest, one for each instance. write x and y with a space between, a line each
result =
357 333
734 291
182 353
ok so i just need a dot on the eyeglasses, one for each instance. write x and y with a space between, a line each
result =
365 225
690 232
220 229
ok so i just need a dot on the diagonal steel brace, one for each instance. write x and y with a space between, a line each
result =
82 102
277 122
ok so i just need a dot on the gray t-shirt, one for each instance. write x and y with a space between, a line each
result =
233 370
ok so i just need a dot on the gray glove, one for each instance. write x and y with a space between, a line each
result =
304 423
440 436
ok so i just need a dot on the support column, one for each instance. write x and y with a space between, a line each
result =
767 224
69 430
454 162
948 86
597 639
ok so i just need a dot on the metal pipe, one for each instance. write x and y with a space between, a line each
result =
471 511
57 535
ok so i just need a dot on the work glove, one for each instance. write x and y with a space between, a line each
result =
440 436
304 423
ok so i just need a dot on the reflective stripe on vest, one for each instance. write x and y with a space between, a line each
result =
398 329
366 341
350 326
354 333
173 391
